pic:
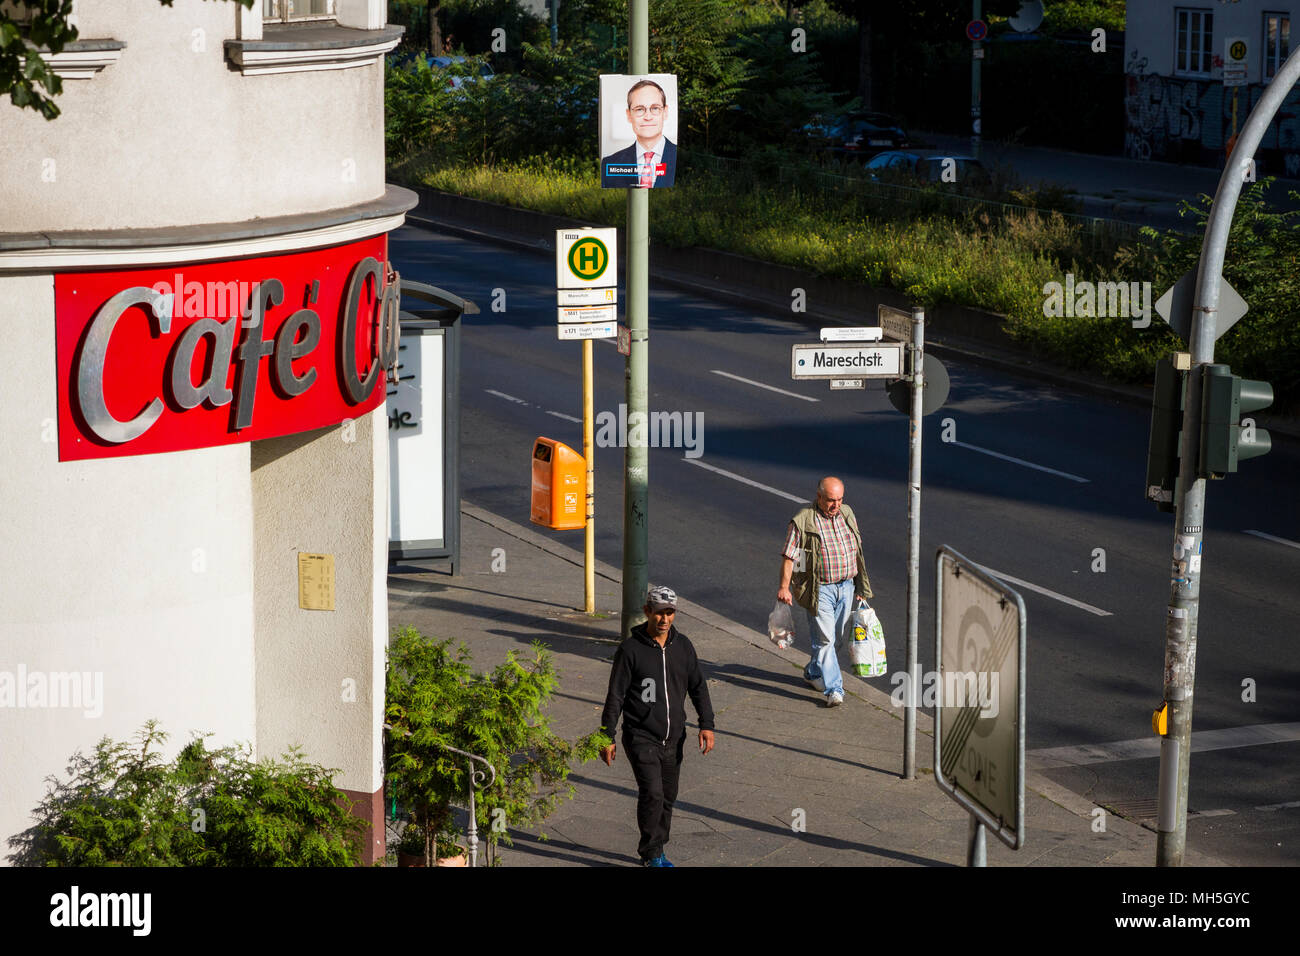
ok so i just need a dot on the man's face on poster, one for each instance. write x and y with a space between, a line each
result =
646 111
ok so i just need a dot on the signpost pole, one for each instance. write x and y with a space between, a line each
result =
917 349
975 853
1183 611
589 555
635 455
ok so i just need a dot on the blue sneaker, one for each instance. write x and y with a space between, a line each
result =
659 860
816 683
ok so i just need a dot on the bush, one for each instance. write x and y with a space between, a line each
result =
126 806
435 702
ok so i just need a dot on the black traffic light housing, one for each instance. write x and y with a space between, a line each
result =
1167 402
1224 440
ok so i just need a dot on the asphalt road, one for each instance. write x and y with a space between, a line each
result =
1114 187
1040 484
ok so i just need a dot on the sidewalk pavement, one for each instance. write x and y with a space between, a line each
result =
778 750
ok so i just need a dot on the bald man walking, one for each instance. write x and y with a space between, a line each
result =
822 570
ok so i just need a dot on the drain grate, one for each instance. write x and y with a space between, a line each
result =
1144 811
1135 810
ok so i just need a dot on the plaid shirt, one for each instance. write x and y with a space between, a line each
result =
839 552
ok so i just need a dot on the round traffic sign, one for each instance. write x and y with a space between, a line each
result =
977 30
1238 50
933 393
588 258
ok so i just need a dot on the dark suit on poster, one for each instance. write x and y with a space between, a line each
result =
628 157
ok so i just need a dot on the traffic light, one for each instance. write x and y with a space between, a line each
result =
1224 439
1166 424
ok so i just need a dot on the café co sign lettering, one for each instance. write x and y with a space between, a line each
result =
154 360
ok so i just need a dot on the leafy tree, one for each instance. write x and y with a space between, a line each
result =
711 77
126 806
23 70
883 28
780 99
577 18
434 701
548 108
1262 263
425 13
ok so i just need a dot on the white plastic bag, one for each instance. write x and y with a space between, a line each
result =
780 625
867 651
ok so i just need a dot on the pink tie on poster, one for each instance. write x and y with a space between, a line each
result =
647 171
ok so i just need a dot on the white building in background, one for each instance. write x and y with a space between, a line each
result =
1185 62
194 287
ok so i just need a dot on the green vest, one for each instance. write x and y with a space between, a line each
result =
803 584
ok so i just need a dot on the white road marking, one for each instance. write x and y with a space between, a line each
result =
745 481
1047 593
1147 747
567 418
770 388
1269 537
1020 461
508 398
1292 805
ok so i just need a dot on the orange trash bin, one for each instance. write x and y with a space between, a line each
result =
559 486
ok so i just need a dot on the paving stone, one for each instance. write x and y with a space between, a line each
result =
778 748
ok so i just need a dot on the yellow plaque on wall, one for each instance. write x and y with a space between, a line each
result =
315 582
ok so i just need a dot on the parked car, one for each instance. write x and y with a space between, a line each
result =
860 134
926 168
456 78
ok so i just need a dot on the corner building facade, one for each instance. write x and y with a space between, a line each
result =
196 311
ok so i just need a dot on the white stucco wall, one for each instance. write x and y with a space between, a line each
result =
139 569
170 134
323 492
1150 32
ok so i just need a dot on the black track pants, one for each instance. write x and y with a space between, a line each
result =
657 768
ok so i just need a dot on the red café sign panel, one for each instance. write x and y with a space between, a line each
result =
165 359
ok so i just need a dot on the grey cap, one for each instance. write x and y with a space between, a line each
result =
658 597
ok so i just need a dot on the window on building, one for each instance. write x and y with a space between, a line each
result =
1194 41
1277 42
282 11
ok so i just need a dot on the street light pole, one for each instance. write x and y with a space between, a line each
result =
976 121
1183 612
636 455
917 349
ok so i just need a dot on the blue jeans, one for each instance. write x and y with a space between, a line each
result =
834 608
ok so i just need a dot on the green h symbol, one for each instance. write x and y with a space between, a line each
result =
588 258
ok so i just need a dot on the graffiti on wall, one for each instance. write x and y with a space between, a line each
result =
1177 118
1162 112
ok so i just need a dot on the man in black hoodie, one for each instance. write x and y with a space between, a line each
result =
654 671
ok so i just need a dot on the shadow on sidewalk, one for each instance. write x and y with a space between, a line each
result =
530 845
731 673
728 734
830 843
